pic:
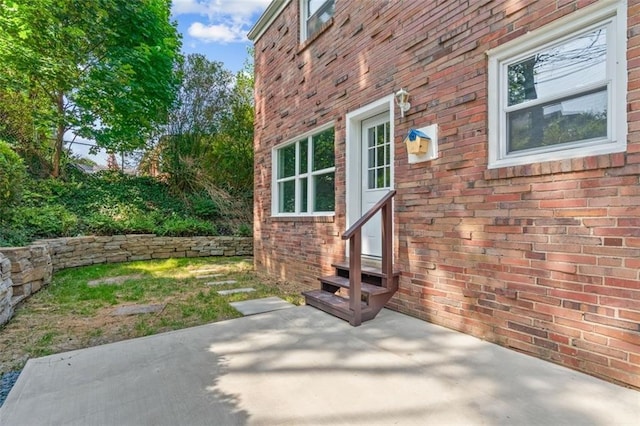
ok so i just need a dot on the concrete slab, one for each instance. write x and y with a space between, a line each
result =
137 309
237 290
221 282
303 367
204 277
260 306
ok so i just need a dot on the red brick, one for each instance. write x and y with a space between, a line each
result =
560 235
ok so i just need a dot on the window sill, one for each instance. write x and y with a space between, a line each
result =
560 166
311 219
321 30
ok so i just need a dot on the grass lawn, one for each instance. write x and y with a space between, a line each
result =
76 310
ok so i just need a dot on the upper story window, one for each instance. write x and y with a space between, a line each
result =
314 14
304 173
560 92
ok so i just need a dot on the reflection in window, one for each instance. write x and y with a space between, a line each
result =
312 188
538 115
315 14
580 61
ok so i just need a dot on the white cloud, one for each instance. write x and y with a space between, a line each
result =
220 33
227 21
213 8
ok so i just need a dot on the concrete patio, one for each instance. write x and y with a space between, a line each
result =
301 366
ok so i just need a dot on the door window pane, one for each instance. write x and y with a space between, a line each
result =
380 157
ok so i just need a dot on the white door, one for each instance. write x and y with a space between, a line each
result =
376 177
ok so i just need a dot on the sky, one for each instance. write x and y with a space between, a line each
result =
215 28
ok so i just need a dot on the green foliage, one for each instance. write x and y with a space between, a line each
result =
187 227
46 221
208 141
18 126
245 230
202 205
12 175
112 203
104 69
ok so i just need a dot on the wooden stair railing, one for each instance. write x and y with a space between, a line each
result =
354 235
369 289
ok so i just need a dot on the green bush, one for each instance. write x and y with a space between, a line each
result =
245 230
12 175
204 207
187 227
111 203
102 224
46 221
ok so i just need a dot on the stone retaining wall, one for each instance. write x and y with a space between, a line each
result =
6 292
25 270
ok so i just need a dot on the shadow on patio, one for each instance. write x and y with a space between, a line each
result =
301 366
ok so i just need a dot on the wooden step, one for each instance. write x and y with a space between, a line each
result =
365 269
335 305
367 289
369 274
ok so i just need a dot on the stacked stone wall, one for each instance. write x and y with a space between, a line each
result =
25 270
6 292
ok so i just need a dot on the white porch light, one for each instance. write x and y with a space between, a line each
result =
402 99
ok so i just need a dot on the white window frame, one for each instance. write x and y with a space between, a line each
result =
609 13
297 177
304 18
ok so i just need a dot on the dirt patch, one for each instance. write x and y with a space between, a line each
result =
39 328
114 280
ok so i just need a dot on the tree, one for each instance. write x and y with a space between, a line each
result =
233 145
27 137
105 67
12 176
201 104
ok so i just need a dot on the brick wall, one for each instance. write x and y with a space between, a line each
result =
543 259
25 270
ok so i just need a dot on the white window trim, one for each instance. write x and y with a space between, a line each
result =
602 12
274 175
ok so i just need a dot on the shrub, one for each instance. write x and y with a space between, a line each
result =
204 207
187 227
12 175
245 230
46 221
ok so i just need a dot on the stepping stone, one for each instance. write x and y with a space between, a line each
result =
205 271
236 290
137 309
259 306
203 277
221 282
113 280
